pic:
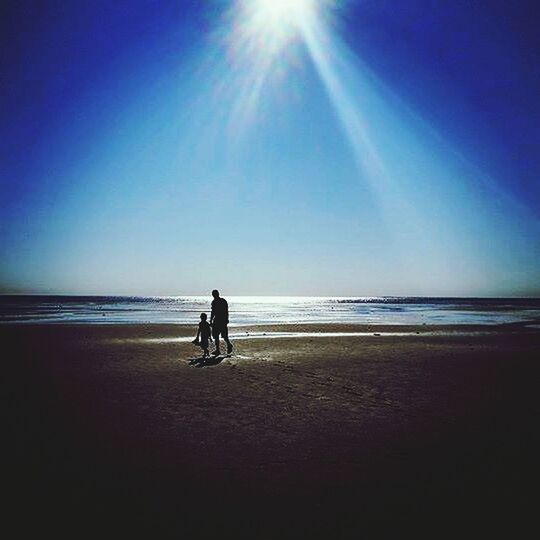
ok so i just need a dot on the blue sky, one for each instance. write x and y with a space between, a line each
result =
402 160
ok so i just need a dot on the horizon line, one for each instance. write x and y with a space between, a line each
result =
535 296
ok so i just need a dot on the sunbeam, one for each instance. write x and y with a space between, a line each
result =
262 38
319 44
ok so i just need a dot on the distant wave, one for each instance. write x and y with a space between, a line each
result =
450 301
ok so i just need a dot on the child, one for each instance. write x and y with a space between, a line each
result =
203 335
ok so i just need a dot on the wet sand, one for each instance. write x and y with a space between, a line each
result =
121 430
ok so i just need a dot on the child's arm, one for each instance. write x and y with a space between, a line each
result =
196 340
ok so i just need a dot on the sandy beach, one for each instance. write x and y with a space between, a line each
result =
119 429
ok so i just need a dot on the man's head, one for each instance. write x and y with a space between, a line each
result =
215 294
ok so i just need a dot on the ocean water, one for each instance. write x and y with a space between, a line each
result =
268 310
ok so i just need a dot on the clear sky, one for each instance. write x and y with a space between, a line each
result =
346 148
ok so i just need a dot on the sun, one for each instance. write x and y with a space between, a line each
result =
288 14
270 25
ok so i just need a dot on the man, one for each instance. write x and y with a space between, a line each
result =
219 319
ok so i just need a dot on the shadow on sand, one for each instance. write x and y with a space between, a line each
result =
211 361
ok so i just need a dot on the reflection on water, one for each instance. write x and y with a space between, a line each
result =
268 310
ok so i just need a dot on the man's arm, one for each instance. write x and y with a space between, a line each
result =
226 304
212 315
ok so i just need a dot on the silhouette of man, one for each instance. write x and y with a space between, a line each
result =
219 319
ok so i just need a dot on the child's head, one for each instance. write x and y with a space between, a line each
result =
203 317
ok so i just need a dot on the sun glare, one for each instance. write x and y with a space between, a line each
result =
264 39
280 14
270 25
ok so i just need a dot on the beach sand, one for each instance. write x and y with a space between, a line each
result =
112 430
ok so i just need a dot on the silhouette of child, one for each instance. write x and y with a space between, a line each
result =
204 335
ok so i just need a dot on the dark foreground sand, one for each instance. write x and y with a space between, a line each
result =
111 432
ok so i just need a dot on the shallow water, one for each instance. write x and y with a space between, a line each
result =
269 310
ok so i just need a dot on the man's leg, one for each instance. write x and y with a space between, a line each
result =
225 334
216 339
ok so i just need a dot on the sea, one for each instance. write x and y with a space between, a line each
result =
264 310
